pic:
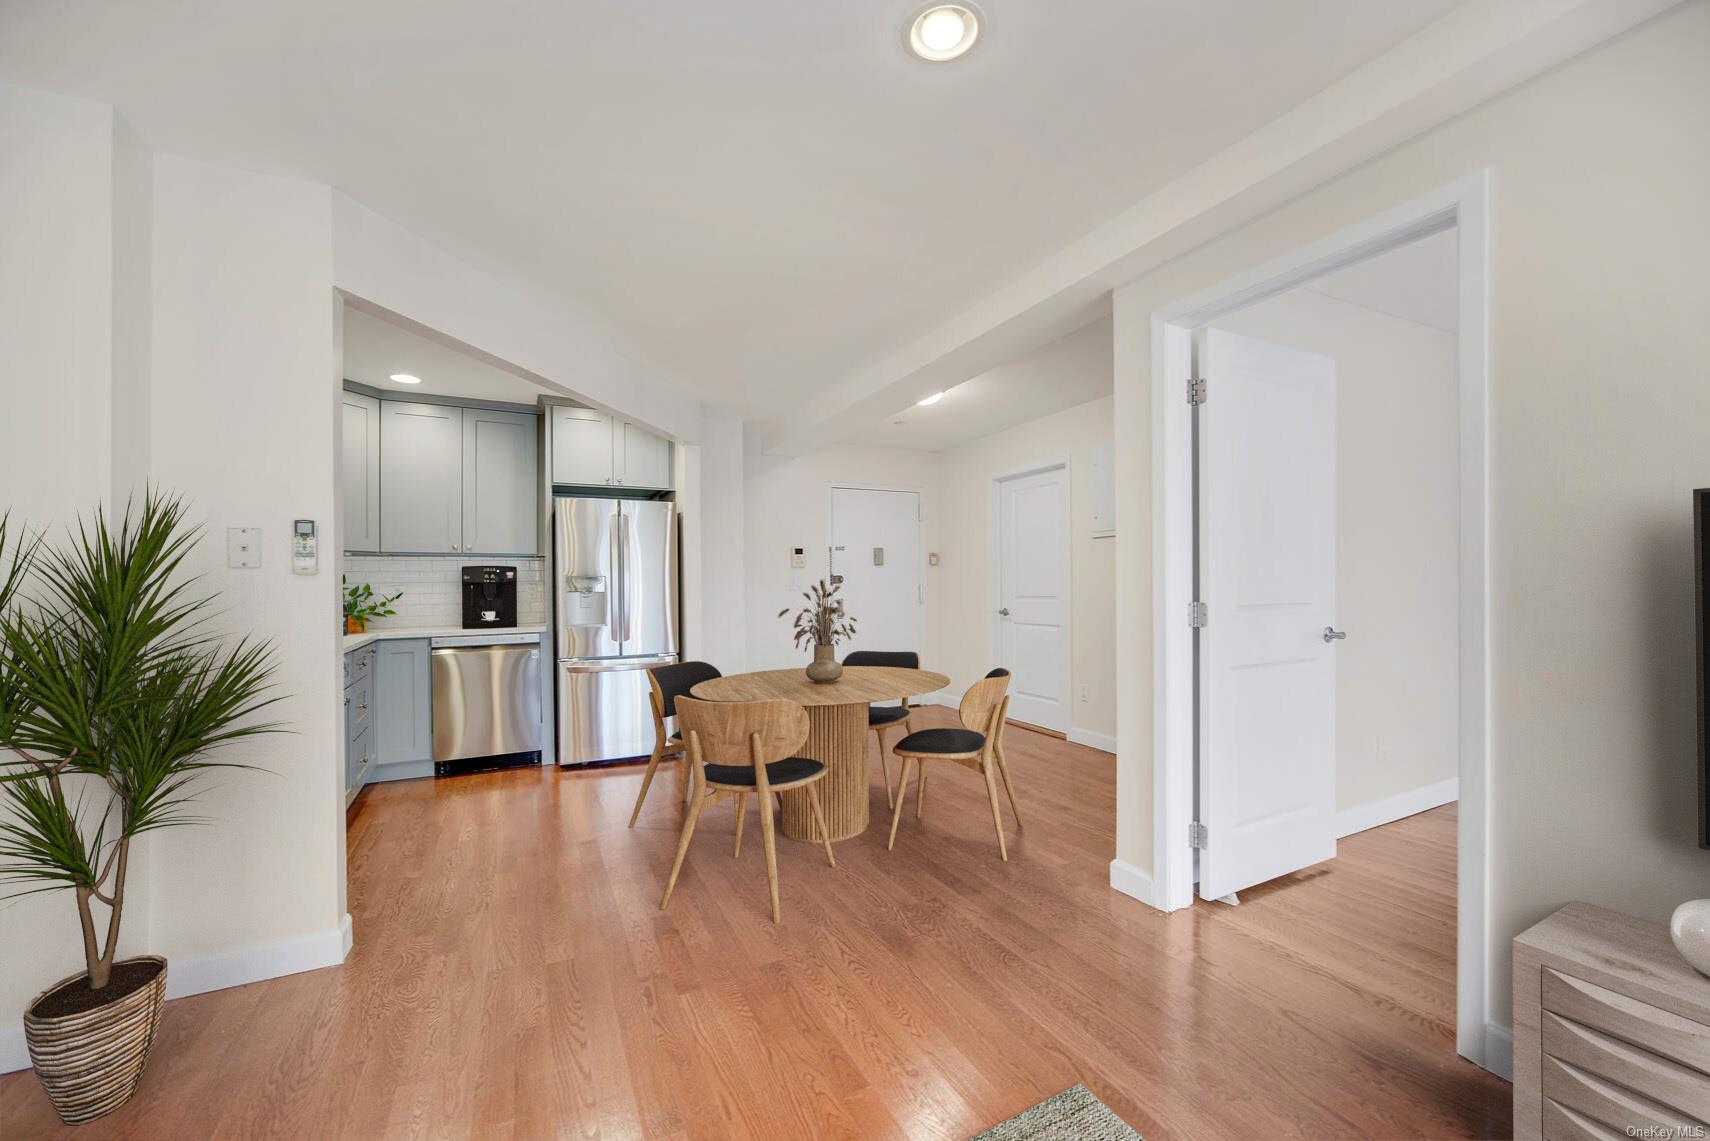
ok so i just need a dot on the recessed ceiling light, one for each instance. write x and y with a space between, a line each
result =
933 399
943 32
405 378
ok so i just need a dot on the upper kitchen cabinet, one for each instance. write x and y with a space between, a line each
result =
581 446
501 482
421 478
592 449
640 458
361 472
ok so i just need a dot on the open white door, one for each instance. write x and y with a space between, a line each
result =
1267 575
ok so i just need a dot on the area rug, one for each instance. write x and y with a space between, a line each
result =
1073 1115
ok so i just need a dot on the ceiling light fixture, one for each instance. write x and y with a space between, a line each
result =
943 32
405 378
933 399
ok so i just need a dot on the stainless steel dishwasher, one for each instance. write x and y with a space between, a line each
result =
486 697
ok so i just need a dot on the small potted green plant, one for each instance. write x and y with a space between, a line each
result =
115 698
360 605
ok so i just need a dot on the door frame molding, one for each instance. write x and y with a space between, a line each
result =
1463 205
994 569
919 493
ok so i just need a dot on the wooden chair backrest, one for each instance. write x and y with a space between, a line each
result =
983 699
722 732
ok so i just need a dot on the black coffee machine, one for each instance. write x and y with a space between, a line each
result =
489 597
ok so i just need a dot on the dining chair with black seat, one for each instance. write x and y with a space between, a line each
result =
880 718
976 745
668 683
739 747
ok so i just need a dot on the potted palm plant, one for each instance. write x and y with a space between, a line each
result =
115 698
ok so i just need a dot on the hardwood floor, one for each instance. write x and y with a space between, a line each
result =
513 977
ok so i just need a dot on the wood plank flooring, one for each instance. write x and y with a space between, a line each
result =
513 978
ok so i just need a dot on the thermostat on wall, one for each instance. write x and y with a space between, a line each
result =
305 549
798 558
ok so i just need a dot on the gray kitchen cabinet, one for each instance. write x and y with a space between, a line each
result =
581 446
501 482
403 713
421 478
360 449
358 719
639 458
592 449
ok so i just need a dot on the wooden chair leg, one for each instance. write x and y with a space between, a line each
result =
920 792
741 815
997 820
885 766
652 767
820 825
902 795
683 847
771 852
1003 771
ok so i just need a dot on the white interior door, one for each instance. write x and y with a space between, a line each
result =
1267 575
875 546
1033 595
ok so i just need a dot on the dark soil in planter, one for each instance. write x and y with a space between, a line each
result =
76 996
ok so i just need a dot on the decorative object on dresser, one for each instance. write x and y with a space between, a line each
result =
822 624
1689 928
115 696
360 605
1611 1030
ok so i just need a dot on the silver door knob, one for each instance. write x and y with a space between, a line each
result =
1331 634
1004 612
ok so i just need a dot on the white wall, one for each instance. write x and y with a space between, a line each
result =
962 614
1600 428
1397 701
56 331
244 405
788 504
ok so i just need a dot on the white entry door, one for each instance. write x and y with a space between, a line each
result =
875 546
1033 595
1267 575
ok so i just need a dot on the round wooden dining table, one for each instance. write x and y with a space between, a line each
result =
837 733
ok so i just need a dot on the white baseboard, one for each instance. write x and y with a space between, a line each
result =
1499 1051
204 973
1130 880
1390 808
1087 737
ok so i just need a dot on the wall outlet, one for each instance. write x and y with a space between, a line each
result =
243 547
1086 692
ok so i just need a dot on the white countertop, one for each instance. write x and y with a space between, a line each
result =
357 641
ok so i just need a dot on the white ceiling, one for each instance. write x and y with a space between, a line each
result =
375 348
1418 282
1068 371
765 194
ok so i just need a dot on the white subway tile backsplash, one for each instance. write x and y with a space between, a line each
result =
432 587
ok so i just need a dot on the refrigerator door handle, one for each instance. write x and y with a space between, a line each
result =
631 558
614 600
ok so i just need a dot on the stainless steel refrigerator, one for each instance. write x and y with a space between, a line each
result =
615 565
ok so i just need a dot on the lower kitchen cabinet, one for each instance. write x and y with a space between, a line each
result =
358 719
403 681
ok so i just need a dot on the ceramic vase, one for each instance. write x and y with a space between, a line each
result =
825 667
1690 930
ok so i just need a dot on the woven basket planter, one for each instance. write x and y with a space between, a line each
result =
90 1063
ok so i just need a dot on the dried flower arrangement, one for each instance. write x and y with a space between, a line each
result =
822 621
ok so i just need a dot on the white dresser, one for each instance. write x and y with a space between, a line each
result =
1611 1031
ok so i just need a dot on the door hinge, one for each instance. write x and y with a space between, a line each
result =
1197 615
1198 835
1196 390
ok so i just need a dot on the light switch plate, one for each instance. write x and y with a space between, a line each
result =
932 559
243 547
